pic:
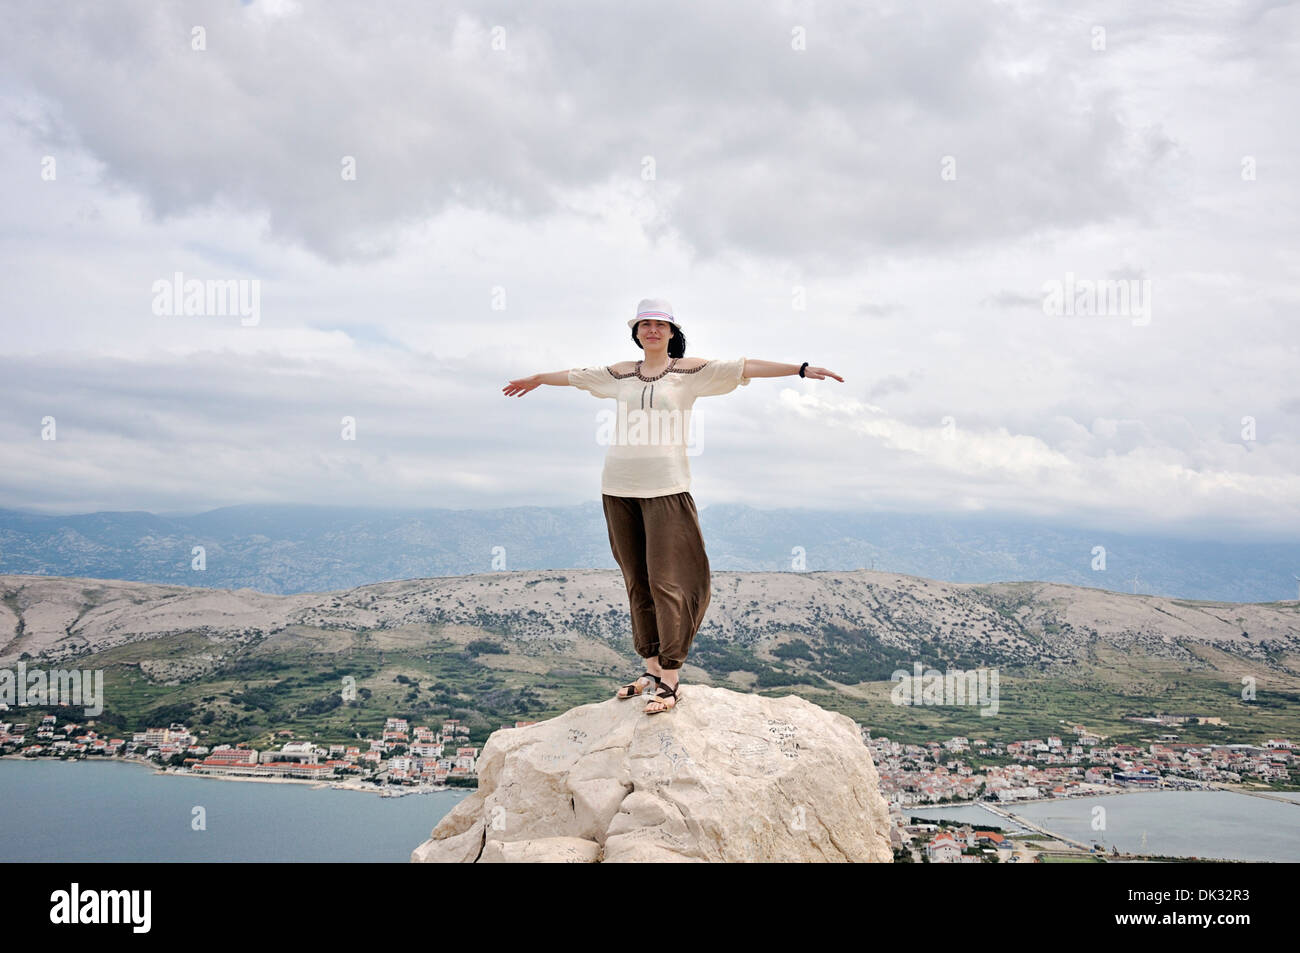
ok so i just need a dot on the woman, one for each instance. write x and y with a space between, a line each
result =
654 530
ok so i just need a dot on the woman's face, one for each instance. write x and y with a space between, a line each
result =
653 332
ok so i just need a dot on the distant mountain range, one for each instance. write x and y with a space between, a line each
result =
287 549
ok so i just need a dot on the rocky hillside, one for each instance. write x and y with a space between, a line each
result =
494 648
1014 624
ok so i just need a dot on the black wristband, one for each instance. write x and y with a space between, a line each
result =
805 364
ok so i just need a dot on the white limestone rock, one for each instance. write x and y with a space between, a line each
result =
723 777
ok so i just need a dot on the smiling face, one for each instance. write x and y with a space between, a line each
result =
653 333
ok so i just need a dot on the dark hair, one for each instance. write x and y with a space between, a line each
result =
676 344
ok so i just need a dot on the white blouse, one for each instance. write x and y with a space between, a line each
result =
649 433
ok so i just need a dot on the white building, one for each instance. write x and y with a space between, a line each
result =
943 849
1013 794
304 752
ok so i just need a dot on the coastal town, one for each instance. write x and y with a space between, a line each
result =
1035 769
403 757
958 771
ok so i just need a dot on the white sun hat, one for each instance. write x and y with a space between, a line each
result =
657 308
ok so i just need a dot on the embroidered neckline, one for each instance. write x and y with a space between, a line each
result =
650 380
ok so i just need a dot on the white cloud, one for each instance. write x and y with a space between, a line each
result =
521 169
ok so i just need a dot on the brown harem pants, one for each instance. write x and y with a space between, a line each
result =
658 544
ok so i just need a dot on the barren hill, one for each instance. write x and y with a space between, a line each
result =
497 647
1022 623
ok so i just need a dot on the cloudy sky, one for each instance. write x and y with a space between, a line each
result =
433 200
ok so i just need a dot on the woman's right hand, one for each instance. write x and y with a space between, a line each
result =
522 386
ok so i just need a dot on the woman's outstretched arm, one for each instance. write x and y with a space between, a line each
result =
756 368
525 384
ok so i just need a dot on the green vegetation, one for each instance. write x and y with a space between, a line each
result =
256 692
331 685
798 649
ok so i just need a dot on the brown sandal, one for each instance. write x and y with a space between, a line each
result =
665 692
634 689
